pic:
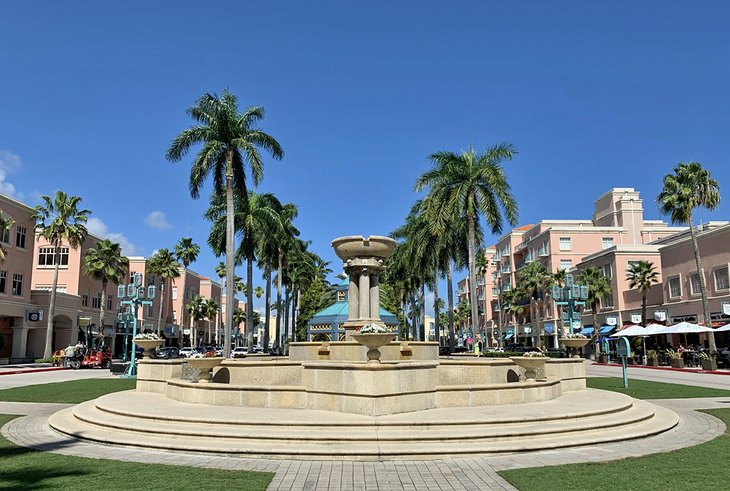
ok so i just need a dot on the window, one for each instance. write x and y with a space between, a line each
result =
607 302
20 237
96 301
109 303
5 235
631 264
46 255
694 284
566 264
607 242
608 270
3 279
564 243
675 287
85 300
721 279
149 311
543 250
174 293
17 284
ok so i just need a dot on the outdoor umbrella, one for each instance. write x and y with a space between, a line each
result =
684 328
726 327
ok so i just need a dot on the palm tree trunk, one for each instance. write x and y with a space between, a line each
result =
701 275
594 337
450 306
643 309
436 323
230 255
277 341
48 351
268 306
424 334
287 296
414 317
162 302
102 310
471 220
249 304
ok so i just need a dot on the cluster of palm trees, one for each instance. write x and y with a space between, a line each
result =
442 231
261 224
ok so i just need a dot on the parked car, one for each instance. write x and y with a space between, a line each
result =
167 352
185 352
239 352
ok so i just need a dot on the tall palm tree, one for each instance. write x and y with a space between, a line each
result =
186 251
691 186
58 220
471 185
105 263
164 266
254 217
286 244
512 305
239 317
231 142
532 279
599 287
641 275
5 224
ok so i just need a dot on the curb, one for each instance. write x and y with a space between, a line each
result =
30 370
671 369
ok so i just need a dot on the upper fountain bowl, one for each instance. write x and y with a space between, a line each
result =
352 246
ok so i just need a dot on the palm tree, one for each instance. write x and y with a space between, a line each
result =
163 265
186 251
641 275
211 311
58 220
472 184
688 188
286 243
512 305
231 142
5 224
599 287
197 310
532 279
253 218
105 263
239 316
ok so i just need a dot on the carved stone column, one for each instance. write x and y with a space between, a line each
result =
364 294
375 297
353 296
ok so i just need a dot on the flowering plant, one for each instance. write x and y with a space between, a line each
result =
207 354
533 354
147 335
373 328
575 335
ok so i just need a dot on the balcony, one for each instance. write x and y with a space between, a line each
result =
520 246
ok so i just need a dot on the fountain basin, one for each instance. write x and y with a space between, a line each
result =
352 246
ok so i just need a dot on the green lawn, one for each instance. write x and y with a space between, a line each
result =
23 469
643 389
72 392
699 467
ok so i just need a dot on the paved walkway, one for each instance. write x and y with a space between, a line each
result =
478 473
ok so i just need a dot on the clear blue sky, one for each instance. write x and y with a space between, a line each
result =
594 95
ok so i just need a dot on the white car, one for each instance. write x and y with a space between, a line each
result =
185 352
239 352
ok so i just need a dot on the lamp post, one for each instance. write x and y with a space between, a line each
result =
135 293
569 296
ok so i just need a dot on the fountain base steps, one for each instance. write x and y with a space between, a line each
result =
148 420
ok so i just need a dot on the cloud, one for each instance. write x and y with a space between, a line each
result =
157 220
9 163
99 228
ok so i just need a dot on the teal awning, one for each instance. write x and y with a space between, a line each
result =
587 331
605 329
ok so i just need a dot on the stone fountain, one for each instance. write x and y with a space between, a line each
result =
325 401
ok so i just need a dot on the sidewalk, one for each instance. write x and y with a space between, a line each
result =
719 371
18 368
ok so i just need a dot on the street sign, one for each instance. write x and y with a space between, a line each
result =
557 292
569 280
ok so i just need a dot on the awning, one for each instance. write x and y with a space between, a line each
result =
507 336
587 331
606 329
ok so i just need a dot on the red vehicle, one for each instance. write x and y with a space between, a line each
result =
97 358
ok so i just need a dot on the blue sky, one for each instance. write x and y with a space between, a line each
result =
359 94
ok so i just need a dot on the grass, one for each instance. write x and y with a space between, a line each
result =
644 389
72 392
698 467
26 469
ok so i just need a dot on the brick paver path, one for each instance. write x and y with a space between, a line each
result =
478 473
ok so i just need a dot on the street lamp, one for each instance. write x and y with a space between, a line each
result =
135 293
127 318
569 296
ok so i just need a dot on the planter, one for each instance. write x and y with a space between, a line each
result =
677 363
710 364
574 343
149 346
205 365
530 363
374 341
601 358
652 361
